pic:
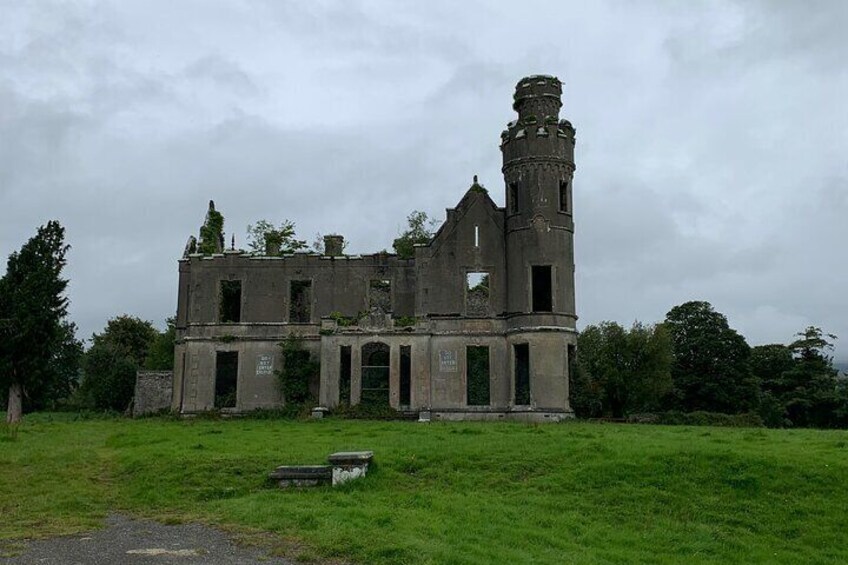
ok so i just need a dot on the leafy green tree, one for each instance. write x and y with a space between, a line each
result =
109 381
419 230
130 336
621 371
711 369
111 363
769 364
160 356
32 310
263 235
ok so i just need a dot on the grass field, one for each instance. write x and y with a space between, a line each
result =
448 493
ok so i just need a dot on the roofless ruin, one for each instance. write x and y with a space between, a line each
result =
479 324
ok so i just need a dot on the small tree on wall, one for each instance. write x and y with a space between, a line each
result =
264 237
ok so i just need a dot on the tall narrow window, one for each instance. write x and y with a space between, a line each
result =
513 198
563 196
380 296
521 383
405 375
477 375
375 374
300 302
542 288
476 236
226 379
229 304
345 368
477 294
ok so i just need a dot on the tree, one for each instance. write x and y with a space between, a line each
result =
419 230
129 335
111 363
811 391
160 356
769 364
109 377
263 237
32 309
621 371
710 370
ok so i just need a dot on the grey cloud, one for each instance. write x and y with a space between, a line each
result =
711 139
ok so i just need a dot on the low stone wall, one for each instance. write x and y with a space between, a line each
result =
153 391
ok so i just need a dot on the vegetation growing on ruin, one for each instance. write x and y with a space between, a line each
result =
419 230
299 368
211 232
447 493
264 235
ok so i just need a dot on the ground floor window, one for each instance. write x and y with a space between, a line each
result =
521 382
226 379
344 374
405 375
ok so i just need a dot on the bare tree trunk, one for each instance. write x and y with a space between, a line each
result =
15 408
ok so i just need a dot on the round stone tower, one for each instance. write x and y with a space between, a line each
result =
538 167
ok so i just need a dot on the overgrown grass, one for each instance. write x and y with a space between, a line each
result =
449 493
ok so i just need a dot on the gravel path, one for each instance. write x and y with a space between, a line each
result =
141 542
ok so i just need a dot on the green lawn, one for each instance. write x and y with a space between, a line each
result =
449 493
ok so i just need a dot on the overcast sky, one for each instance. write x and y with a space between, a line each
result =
712 152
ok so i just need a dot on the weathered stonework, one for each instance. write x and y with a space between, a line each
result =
348 309
153 392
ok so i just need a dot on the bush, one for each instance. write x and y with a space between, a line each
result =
298 368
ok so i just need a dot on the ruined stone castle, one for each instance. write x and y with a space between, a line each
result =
479 324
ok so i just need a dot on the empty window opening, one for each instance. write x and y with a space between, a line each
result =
226 379
300 301
477 294
229 305
375 374
521 382
405 375
513 198
345 368
563 196
542 288
476 236
477 375
380 296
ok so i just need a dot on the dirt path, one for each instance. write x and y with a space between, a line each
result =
141 542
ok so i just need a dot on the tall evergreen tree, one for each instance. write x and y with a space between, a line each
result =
32 309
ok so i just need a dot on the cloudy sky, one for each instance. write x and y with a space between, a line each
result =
712 156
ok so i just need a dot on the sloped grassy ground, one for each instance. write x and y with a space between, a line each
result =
448 493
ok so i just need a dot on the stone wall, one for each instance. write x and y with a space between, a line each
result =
153 390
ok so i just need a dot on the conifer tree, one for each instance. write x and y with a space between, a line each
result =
32 309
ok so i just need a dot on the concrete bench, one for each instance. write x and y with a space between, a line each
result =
344 466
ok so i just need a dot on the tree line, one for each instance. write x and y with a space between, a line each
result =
43 366
694 362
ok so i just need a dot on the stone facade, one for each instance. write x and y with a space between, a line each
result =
479 324
153 392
